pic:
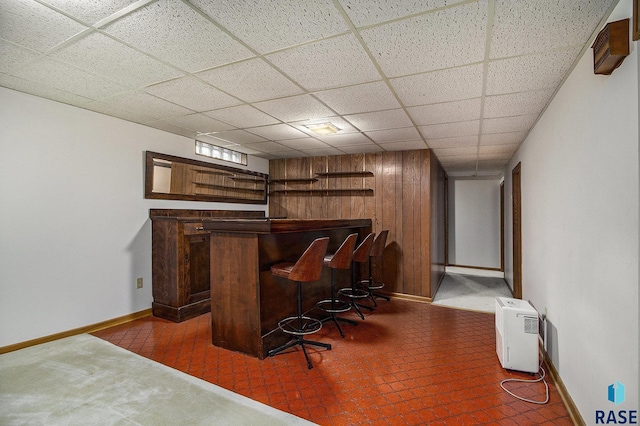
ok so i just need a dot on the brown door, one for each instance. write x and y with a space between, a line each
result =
517 233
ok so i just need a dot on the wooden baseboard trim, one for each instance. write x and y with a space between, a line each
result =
411 297
562 390
484 268
86 329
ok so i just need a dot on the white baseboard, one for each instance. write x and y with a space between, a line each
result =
474 271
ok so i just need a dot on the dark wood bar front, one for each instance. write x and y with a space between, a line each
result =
246 300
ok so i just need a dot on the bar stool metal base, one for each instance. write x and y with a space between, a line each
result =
300 326
353 294
333 307
371 289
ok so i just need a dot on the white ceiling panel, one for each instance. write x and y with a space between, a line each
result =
241 137
151 105
68 78
394 135
446 112
462 128
102 55
532 72
278 132
35 26
445 152
440 86
419 73
442 39
335 62
253 80
90 11
379 120
516 103
361 98
192 93
177 34
275 24
543 24
294 108
369 12
242 116
509 124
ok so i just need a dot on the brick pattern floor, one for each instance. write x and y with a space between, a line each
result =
407 363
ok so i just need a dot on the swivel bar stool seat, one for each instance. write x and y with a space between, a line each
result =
307 269
353 293
371 285
341 259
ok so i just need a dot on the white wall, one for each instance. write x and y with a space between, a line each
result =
74 224
474 222
580 228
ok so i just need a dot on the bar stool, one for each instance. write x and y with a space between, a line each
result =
307 269
371 285
353 293
341 259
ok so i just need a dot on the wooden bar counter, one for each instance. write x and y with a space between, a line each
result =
246 300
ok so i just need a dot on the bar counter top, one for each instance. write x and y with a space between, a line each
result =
278 226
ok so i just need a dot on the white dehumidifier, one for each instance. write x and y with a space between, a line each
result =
517 334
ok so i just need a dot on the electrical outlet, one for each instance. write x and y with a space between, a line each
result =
139 282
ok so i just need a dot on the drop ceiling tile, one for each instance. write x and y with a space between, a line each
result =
447 152
463 128
199 122
278 132
455 142
284 154
334 62
13 56
521 27
294 108
90 11
358 149
368 12
303 143
394 135
494 157
104 56
114 111
517 103
141 101
192 93
242 116
532 72
177 34
502 138
446 112
403 146
177 130
268 147
253 80
492 164
445 38
43 91
440 86
346 139
366 97
239 136
69 79
276 24
508 124
498 149
380 120
46 27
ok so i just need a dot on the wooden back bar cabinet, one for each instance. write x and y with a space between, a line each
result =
246 299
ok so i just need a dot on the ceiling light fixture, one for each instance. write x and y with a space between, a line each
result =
322 128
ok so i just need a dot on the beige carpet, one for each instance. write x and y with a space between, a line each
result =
83 380
471 292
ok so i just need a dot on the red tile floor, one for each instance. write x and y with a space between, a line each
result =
407 363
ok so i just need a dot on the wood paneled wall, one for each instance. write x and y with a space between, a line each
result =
407 198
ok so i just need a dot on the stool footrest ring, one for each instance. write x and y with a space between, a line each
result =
299 326
354 293
333 306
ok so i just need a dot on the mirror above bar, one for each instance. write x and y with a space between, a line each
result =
174 178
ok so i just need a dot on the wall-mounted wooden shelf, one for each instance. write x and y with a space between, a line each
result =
345 191
345 174
234 188
300 180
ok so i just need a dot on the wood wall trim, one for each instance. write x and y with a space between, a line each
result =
484 268
562 390
81 330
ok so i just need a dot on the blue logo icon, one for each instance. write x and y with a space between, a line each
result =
616 393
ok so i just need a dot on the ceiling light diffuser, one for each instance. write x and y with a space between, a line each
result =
322 128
